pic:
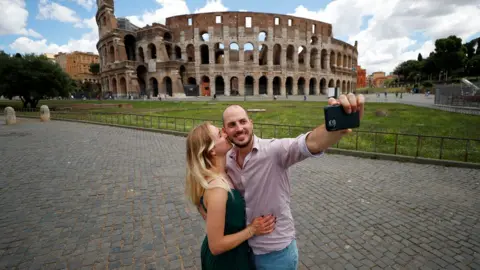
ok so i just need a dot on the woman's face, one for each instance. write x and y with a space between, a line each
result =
222 144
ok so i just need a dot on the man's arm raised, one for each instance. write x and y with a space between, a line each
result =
320 139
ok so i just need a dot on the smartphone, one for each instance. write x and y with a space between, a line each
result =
337 119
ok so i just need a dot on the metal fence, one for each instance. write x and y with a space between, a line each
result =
416 145
456 95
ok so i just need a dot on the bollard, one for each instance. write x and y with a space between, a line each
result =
10 117
44 113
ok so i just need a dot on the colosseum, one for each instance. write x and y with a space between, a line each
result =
222 53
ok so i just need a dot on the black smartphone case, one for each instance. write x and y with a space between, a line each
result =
337 119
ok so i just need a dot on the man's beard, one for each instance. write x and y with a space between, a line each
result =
242 145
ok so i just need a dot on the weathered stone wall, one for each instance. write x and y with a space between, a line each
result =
264 53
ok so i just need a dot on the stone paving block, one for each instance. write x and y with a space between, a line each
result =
108 198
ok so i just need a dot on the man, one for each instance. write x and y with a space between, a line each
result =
259 170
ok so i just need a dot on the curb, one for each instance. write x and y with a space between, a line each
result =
335 151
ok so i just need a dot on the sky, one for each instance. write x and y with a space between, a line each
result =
388 31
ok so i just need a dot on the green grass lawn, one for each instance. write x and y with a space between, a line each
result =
404 119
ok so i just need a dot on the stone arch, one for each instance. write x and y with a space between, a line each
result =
141 79
314 40
167 37
331 83
234 52
323 86
262 85
204 53
262 36
323 59
154 86
192 81
277 85
190 53
114 86
204 36
168 85
344 60
290 53
339 60
248 52
168 48
277 54
130 45
111 54
182 70
219 50
234 86
332 60
178 53
219 86
348 87
152 51
338 84
301 86
249 85
344 86
205 86
314 58
289 86
263 55
312 89
123 86
141 54
302 52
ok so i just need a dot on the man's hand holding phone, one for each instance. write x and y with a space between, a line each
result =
344 113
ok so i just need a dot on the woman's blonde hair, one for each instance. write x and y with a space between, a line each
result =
200 163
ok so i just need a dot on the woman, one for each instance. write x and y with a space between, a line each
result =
207 185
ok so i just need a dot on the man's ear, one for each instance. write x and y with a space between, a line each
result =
224 130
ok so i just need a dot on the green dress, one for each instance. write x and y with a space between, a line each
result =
240 257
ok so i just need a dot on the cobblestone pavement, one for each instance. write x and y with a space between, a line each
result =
82 196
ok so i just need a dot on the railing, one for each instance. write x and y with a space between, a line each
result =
415 145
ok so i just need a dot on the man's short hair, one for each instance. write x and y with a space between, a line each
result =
233 105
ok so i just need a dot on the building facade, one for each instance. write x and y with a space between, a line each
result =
222 53
77 65
361 77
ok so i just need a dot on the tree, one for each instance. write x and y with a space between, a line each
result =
450 54
32 78
419 58
94 68
408 70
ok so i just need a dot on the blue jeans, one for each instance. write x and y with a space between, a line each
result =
286 259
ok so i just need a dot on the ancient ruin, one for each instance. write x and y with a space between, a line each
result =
222 53
10 117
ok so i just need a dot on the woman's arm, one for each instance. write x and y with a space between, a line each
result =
218 242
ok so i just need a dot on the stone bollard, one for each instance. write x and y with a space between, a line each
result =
10 117
44 113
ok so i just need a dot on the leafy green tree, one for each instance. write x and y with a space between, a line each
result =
450 54
32 78
420 57
94 68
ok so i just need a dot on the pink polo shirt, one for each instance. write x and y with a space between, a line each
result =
264 183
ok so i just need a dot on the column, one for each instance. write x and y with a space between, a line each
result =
270 86
226 80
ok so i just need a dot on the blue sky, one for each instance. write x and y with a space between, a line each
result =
388 31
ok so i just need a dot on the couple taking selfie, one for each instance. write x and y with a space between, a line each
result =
239 183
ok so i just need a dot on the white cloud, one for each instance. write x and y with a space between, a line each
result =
13 19
52 11
388 38
169 8
87 42
88 4
212 6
